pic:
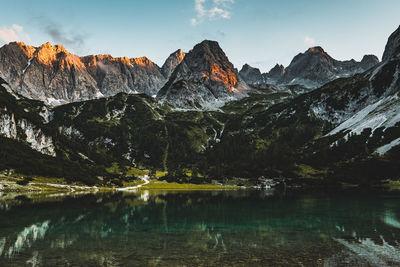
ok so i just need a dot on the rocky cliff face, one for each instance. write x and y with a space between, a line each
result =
392 48
23 130
172 62
51 74
129 75
205 76
22 120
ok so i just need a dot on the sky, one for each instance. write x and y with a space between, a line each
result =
258 32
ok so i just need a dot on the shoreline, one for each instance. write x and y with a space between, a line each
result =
49 185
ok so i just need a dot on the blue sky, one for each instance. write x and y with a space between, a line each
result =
259 32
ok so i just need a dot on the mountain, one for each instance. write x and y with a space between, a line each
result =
51 74
311 69
30 145
345 132
251 75
315 68
129 75
204 76
275 73
172 62
392 48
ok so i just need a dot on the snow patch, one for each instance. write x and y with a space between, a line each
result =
99 95
383 113
27 66
55 102
383 149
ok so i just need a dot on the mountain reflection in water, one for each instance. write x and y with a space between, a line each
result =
245 228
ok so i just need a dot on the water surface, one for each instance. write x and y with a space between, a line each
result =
248 228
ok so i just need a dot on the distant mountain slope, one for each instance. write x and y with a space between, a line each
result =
51 74
315 67
311 69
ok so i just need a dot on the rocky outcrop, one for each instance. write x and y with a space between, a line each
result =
51 74
23 130
205 76
275 73
251 75
392 48
172 62
369 61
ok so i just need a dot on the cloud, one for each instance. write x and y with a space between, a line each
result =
13 33
223 2
59 36
72 37
215 12
310 42
199 7
215 9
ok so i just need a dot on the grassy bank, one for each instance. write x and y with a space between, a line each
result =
20 183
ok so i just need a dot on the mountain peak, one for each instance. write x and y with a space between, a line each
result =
208 47
55 48
204 75
250 75
279 67
49 54
208 58
142 61
179 52
173 60
316 49
208 43
370 59
27 49
247 66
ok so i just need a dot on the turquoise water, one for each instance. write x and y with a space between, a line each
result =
249 228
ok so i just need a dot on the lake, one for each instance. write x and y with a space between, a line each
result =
207 228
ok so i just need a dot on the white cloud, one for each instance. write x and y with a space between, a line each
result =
216 9
13 33
199 7
223 2
215 12
310 42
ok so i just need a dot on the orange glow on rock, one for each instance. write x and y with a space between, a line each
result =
228 77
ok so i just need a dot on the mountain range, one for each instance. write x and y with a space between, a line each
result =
311 69
317 121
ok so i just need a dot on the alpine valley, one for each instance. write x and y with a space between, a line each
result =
93 119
